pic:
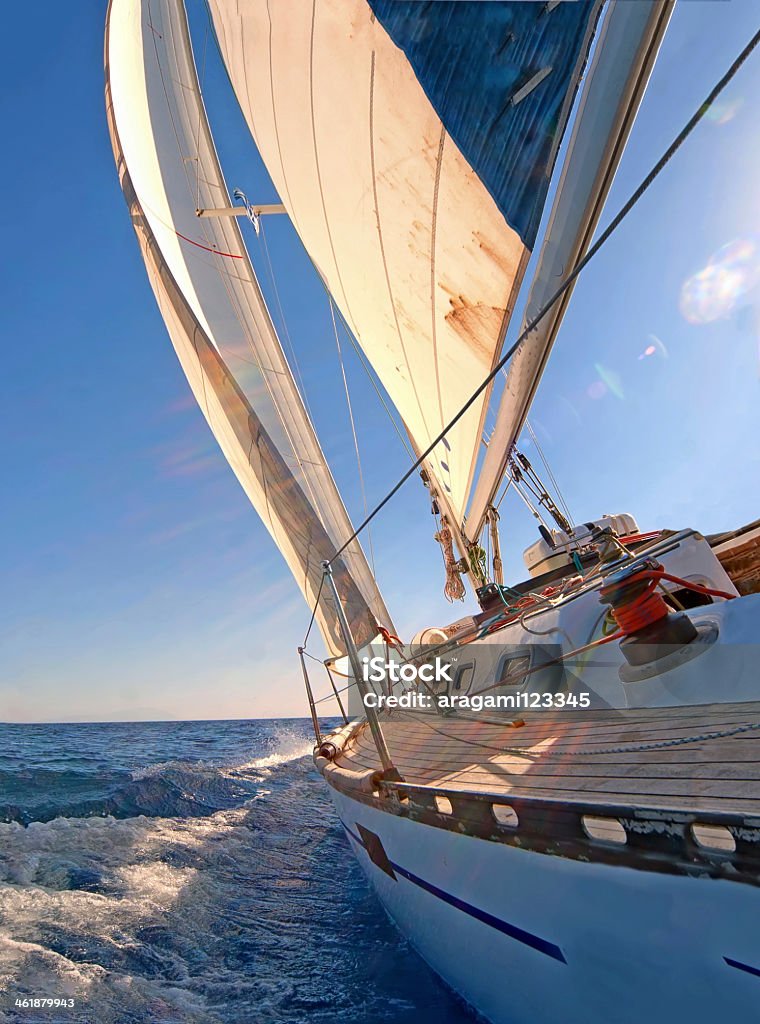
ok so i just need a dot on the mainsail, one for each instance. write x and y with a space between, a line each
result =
216 316
626 48
412 145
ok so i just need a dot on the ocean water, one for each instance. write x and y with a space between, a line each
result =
190 872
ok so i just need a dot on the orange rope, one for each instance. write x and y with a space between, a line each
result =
648 606
641 611
388 637
694 586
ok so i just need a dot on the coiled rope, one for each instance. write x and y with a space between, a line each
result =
453 588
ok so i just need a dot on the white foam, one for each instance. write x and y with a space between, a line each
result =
139 887
165 874
161 766
290 746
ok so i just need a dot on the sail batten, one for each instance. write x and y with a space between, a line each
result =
414 162
214 310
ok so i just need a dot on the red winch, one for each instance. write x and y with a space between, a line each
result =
651 628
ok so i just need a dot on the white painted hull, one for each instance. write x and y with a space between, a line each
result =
564 938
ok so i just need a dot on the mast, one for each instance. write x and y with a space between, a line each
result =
629 38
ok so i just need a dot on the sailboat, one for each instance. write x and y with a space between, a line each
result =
556 797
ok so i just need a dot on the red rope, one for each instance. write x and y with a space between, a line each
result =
390 638
694 586
649 606
216 252
641 611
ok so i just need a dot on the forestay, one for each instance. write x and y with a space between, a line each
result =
412 145
214 311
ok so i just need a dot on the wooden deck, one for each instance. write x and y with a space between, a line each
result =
703 758
739 554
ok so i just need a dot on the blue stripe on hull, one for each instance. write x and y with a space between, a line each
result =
527 938
471 57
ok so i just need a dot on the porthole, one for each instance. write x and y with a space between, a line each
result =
713 837
443 805
512 670
463 678
607 830
505 815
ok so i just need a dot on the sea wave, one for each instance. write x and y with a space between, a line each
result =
291 747
156 904
172 788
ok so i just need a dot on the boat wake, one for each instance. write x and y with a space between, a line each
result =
195 890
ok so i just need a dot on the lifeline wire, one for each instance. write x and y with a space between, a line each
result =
622 213
314 611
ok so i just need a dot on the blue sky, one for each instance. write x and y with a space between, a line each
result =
136 580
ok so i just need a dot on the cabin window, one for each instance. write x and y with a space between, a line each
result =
463 678
512 670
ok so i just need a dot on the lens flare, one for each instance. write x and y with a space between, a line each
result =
611 380
570 409
655 348
723 111
597 389
713 293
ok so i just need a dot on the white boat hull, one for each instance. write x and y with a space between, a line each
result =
524 936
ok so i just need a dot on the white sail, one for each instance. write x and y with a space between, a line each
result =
216 316
627 46
394 166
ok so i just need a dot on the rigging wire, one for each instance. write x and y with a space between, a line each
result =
314 610
571 277
291 348
503 493
528 503
353 430
367 369
549 473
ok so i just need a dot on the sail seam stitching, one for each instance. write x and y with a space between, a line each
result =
433 227
274 112
316 162
381 241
